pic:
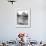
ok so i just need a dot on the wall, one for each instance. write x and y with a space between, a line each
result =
8 28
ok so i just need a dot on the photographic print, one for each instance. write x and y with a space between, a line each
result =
23 18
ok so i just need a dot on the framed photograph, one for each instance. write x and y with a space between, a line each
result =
23 18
